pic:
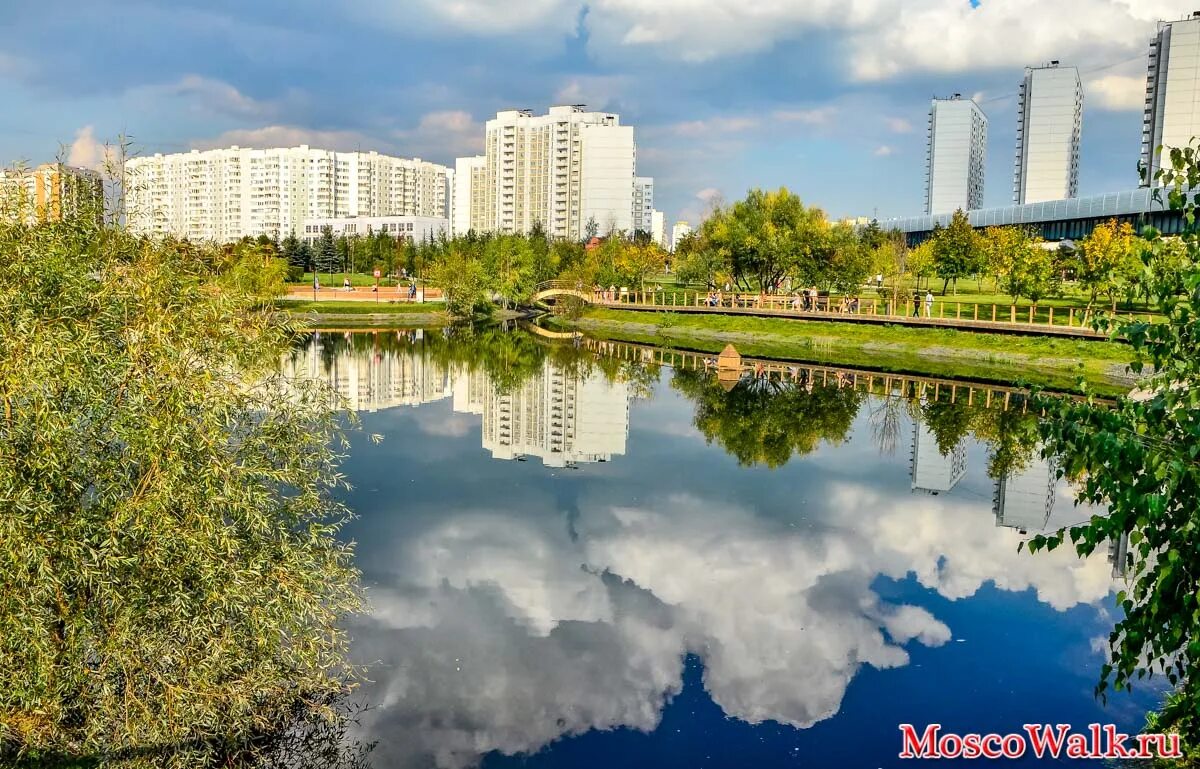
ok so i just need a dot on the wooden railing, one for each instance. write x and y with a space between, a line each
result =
941 312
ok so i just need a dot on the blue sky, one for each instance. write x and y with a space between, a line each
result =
827 97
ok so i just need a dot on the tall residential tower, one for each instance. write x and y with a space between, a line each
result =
956 155
1171 116
563 170
1049 124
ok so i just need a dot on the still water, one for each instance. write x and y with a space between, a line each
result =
576 556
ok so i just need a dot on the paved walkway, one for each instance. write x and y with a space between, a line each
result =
358 294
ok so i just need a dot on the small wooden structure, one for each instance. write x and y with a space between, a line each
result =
729 358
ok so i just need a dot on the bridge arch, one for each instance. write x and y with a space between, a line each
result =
551 289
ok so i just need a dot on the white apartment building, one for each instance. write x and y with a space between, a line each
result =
1049 125
470 191
225 194
414 228
658 228
564 170
680 231
955 157
1171 117
643 204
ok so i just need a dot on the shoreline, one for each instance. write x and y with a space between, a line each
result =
935 354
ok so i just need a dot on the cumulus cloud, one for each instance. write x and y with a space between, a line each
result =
898 125
882 151
205 95
881 38
86 151
442 135
1116 92
502 631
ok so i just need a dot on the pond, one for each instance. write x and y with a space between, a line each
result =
592 554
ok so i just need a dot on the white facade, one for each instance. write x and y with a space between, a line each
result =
561 170
1049 126
680 231
225 194
932 471
469 191
1172 112
414 228
956 155
643 205
658 228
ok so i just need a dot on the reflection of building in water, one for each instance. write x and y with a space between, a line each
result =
932 471
562 418
1024 498
371 378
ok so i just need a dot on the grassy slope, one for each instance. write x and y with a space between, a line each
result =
1055 363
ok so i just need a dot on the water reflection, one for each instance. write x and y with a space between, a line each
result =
514 606
560 413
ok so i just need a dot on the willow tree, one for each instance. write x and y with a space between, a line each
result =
173 580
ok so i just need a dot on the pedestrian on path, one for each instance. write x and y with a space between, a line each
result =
916 305
928 304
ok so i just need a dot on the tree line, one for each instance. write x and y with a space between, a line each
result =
771 241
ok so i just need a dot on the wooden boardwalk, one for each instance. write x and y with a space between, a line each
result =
872 314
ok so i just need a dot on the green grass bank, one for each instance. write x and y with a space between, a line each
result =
1059 364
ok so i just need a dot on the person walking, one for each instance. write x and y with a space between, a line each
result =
916 305
928 304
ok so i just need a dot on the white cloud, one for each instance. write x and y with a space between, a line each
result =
1116 92
881 38
898 125
289 136
205 95
882 151
954 36
86 151
443 136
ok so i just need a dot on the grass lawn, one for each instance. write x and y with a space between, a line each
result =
1049 362
359 308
